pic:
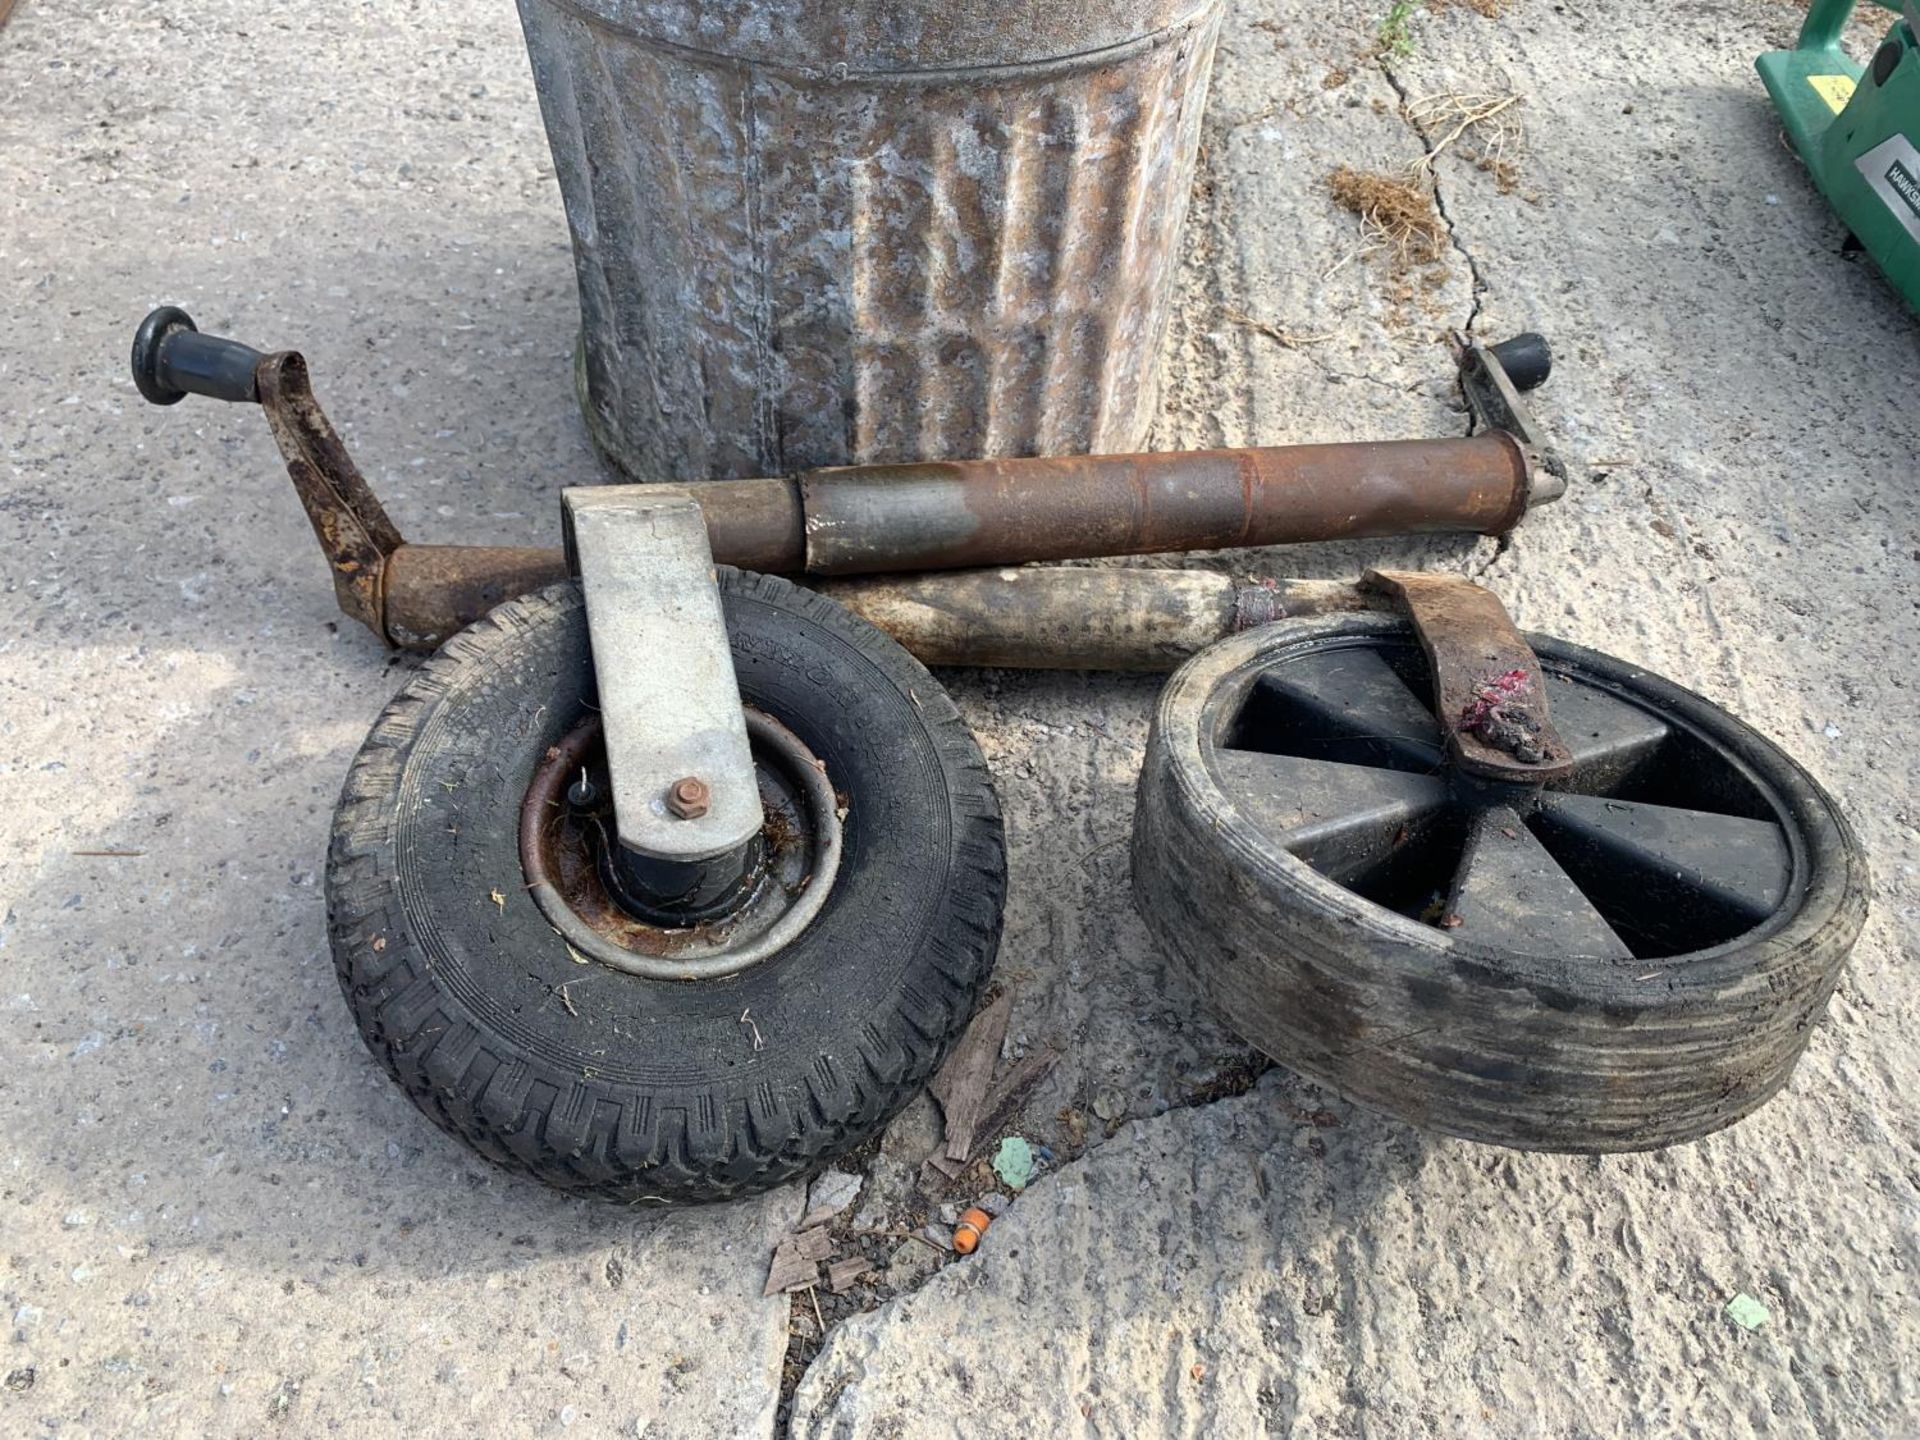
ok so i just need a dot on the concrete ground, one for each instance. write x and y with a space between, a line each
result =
217 1217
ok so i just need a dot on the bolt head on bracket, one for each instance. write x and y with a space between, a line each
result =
689 798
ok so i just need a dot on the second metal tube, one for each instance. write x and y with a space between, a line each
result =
945 515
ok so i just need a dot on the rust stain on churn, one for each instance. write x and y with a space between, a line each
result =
815 234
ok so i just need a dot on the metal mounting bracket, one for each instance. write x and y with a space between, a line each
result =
684 785
1488 690
1494 397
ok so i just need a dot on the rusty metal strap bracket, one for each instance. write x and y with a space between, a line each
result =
1494 399
354 532
1489 693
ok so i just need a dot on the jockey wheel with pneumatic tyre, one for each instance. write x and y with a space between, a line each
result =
501 971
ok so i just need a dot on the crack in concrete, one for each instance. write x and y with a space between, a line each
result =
1502 544
1439 196
1478 281
1233 1074
1341 377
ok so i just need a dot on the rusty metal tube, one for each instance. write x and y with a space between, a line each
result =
1060 618
755 524
971 513
1042 618
958 514
929 516
430 592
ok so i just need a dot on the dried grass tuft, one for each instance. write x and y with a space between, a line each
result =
1486 126
1397 216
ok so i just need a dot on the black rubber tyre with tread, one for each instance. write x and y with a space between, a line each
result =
1534 1052
607 1083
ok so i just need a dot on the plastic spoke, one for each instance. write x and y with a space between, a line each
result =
1609 737
1346 705
1338 818
1683 875
1510 894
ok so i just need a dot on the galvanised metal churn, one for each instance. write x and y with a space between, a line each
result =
827 232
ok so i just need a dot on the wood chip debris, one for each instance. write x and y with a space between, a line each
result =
961 1085
790 1270
796 1261
842 1275
1010 1091
937 1170
831 1192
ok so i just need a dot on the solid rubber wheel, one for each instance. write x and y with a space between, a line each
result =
599 1081
1632 958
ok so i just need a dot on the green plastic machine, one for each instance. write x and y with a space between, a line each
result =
1857 127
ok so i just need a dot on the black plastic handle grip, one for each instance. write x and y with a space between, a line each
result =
172 360
1525 358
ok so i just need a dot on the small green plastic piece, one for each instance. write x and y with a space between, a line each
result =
1747 1312
1013 1163
1858 130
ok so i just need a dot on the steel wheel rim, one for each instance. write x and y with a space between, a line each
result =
770 921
